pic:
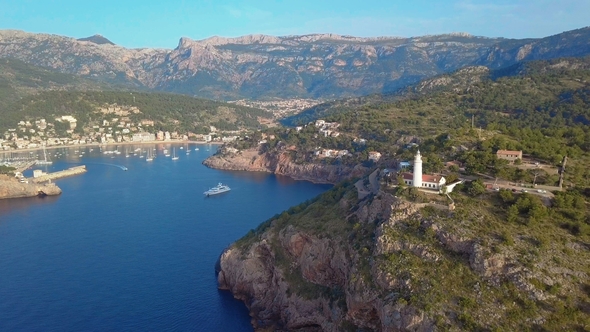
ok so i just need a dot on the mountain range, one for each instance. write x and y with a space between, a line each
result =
262 66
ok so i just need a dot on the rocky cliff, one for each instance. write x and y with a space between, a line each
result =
280 162
385 264
12 188
318 65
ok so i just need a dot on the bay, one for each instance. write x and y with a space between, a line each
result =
132 250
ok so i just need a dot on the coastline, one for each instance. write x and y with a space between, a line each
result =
280 163
109 144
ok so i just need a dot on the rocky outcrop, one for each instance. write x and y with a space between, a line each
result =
280 162
292 279
382 263
12 188
317 65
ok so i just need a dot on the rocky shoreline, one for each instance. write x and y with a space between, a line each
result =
382 263
12 188
255 275
281 163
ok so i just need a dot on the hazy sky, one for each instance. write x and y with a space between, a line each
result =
160 23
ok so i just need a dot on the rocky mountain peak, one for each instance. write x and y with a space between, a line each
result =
185 42
97 39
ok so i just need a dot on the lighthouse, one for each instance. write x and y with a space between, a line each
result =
417 181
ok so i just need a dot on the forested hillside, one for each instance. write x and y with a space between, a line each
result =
168 111
460 81
542 108
512 258
18 79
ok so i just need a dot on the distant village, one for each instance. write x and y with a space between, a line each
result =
115 126
280 108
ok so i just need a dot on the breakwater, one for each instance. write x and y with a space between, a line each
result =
60 174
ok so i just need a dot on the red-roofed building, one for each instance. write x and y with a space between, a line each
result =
509 155
434 182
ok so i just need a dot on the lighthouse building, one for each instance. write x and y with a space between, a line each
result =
419 180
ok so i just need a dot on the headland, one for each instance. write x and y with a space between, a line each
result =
11 187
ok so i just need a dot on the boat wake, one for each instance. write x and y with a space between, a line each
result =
114 165
105 164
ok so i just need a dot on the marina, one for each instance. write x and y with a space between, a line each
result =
105 254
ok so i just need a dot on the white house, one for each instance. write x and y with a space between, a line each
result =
143 136
434 182
426 181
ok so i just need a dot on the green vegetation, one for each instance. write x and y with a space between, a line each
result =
18 79
541 108
519 230
7 170
29 92
168 111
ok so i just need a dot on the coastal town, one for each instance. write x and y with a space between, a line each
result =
114 125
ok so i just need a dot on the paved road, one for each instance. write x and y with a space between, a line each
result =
518 189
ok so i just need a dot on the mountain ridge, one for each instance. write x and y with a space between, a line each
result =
263 66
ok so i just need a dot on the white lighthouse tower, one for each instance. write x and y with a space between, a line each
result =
417 170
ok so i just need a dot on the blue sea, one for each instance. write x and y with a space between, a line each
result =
132 250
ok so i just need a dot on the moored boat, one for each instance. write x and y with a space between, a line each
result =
219 189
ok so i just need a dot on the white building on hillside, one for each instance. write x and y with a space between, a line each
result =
434 182
419 180
143 136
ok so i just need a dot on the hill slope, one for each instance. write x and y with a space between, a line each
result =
461 82
18 79
540 107
170 112
339 263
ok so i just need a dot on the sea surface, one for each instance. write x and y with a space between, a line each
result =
132 250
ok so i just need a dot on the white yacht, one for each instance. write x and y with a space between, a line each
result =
219 189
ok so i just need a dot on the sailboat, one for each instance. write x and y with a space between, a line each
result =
149 155
174 156
45 161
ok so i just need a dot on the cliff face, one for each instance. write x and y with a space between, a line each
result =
11 188
293 279
280 163
318 65
385 264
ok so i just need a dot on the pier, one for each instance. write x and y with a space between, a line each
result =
22 166
43 177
